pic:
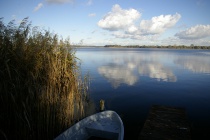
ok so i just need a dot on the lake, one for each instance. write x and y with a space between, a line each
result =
131 80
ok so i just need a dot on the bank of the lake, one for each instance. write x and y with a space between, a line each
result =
148 46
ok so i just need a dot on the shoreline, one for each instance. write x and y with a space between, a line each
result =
147 47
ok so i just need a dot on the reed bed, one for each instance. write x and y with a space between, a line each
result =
41 89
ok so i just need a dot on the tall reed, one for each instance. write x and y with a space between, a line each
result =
41 90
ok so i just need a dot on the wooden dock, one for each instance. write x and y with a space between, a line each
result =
166 123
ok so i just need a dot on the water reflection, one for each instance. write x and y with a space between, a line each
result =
118 74
127 69
149 70
157 71
198 64
128 66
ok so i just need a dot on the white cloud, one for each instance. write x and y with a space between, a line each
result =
196 32
132 29
124 23
90 2
159 24
119 18
136 36
92 15
149 29
177 41
58 1
40 5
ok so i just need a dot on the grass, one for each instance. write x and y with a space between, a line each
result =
41 90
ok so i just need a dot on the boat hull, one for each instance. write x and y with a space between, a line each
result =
106 124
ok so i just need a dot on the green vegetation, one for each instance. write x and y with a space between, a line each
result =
168 47
41 89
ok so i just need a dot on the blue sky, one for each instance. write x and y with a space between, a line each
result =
123 22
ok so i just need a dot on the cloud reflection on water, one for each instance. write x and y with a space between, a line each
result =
118 74
197 64
157 71
128 69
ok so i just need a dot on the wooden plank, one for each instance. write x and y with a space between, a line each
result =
166 123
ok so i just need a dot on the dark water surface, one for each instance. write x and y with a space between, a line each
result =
132 80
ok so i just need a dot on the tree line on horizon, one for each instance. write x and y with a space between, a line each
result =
157 46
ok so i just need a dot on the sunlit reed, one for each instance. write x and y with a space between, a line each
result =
41 89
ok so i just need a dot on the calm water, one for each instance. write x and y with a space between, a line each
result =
132 80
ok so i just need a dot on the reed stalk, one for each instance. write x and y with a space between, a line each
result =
41 90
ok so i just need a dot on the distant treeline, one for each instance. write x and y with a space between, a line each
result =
169 46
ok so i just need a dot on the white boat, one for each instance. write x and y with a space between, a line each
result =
104 125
